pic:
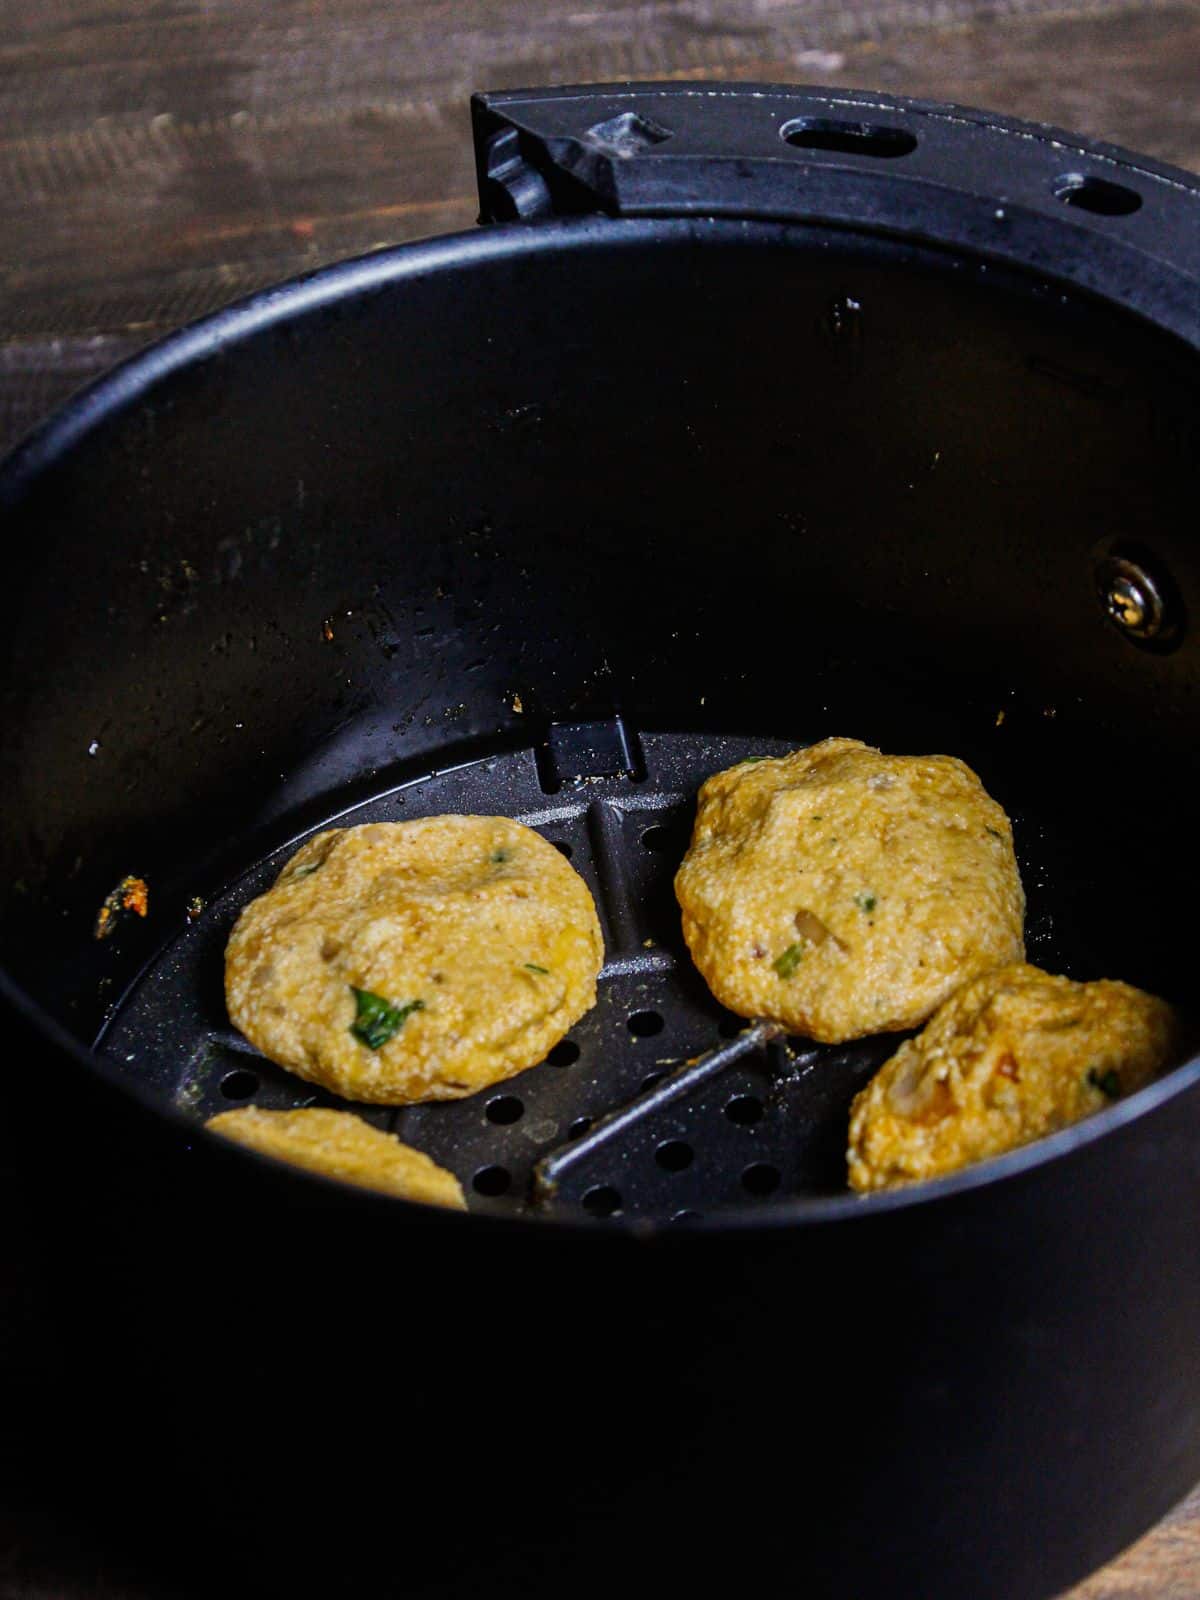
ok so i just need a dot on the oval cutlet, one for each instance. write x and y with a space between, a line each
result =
843 892
406 961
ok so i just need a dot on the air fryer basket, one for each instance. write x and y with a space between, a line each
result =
765 415
575 544
771 1123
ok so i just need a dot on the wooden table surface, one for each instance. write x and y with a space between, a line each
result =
159 158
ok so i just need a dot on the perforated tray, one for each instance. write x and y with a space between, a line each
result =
773 1123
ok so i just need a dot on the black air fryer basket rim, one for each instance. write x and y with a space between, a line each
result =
1164 293
974 182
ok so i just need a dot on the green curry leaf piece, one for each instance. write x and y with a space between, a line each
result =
375 1020
786 964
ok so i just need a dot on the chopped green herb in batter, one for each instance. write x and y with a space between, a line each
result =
306 871
995 833
375 1020
499 857
532 966
866 902
746 760
1108 1082
786 964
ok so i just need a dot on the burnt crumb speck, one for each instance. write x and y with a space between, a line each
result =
130 897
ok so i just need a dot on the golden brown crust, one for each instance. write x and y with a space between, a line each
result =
341 1145
1009 1058
475 932
843 892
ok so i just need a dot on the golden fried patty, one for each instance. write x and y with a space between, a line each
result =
341 1145
404 961
843 892
1010 1057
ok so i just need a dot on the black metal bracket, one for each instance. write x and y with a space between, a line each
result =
927 172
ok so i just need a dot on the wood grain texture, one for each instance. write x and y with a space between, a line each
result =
159 158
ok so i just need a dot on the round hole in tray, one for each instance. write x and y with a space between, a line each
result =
579 1127
645 1024
659 837
602 1201
744 1109
239 1084
760 1178
504 1108
492 1181
673 1155
562 846
564 1053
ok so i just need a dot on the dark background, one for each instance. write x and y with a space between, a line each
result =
160 159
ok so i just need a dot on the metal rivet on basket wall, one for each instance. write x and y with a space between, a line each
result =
1132 598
